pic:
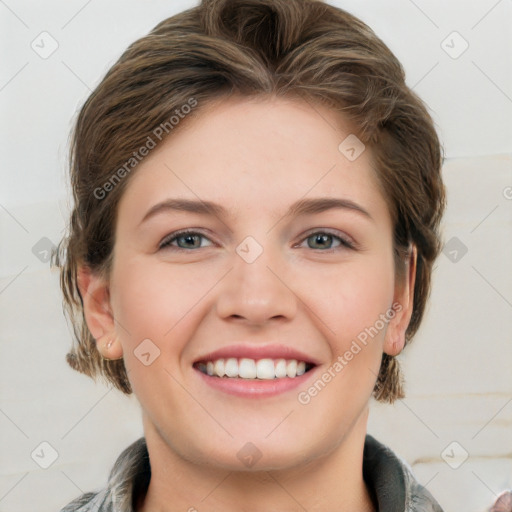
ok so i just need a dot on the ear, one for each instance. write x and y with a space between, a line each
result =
95 293
403 303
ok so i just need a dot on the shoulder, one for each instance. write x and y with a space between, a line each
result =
392 481
418 497
129 476
91 501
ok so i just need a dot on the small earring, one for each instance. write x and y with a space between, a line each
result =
107 347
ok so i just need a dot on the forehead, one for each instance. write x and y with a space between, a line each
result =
256 153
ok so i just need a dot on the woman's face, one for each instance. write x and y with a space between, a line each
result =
289 258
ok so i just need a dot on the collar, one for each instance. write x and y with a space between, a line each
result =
388 477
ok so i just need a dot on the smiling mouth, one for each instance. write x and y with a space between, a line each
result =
252 369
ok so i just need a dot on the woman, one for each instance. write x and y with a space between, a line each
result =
257 203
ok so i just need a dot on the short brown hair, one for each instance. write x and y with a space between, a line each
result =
302 48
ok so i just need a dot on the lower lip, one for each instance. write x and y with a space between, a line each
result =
255 388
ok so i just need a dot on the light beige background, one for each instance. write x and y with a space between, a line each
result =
458 370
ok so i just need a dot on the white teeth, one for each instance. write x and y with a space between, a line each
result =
265 369
291 368
245 368
280 368
218 368
231 367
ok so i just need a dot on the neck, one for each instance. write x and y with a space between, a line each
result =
329 482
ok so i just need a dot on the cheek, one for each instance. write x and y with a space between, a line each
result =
156 300
155 307
352 299
351 304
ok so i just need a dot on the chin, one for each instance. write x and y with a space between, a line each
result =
252 458
240 453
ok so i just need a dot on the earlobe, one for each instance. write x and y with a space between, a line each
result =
95 293
403 305
109 347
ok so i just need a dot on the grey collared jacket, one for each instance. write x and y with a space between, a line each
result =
388 478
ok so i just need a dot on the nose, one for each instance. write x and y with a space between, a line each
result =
258 291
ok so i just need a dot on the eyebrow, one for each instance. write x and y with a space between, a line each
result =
301 207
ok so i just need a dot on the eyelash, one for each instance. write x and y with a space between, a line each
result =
166 242
344 242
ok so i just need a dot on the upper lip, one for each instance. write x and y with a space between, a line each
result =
252 351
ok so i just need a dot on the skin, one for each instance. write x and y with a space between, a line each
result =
314 297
